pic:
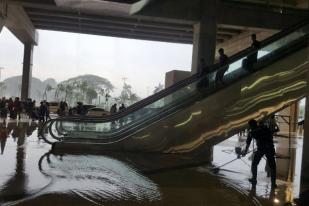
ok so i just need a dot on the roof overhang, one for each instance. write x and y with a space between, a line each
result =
174 23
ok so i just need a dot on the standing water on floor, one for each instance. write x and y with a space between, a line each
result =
30 175
238 169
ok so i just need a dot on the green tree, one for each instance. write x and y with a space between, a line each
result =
2 89
83 86
90 95
48 88
158 88
127 96
134 98
59 90
68 92
101 93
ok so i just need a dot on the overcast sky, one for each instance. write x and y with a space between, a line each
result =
61 55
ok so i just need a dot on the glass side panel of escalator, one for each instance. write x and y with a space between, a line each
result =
189 93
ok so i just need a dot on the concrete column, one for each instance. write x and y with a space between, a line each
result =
174 76
204 39
305 159
292 112
1 24
27 71
3 6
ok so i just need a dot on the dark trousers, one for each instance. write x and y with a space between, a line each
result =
270 156
220 74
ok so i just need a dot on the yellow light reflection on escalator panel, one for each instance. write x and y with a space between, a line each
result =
266 97
280 75
189 119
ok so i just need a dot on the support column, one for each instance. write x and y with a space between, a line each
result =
1 24
27 71
204 39
3 13
292 116
304 181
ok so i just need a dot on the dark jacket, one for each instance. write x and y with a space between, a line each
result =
263 137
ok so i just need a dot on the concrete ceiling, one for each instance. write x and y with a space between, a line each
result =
45 14
112 18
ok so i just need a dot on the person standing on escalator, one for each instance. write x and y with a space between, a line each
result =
265 146
224 66
251 59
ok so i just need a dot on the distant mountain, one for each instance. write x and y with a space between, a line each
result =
13 87
51 82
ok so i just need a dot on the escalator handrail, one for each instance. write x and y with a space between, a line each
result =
284 49
124 134
186 81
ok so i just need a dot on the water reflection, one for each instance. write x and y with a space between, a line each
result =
288 169
30 175
3 137
14 177
16 184
90 177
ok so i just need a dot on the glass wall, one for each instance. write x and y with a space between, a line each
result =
11 59
100 70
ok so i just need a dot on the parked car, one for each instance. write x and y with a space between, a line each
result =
97 112
54 107
85 108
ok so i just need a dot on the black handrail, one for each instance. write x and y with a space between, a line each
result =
284 50
123 135
186 81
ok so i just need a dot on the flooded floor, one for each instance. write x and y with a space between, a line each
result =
30 175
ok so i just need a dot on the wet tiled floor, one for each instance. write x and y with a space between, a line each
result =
289 154
30 175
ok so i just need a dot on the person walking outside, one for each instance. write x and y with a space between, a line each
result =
265 146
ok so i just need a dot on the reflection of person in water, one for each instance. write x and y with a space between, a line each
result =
3 137
4 113
40 130
271 197
31 128
14 129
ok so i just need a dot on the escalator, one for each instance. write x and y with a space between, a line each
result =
196 112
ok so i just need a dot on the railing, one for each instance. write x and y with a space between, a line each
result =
187 81
184 86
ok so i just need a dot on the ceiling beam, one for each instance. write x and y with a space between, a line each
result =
108 19
228 13
20 25
108 30
114 34
136 28
252 16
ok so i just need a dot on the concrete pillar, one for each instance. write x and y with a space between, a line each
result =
292 116
1 24
3 7
305 158
27 71
174 76
204 39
